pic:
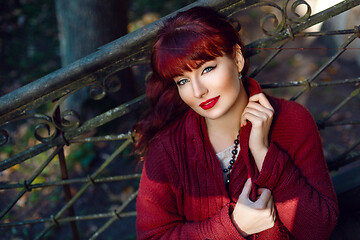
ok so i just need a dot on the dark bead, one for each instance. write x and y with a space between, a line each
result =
228 176
234 152
225 170
229 167
232 162
236 142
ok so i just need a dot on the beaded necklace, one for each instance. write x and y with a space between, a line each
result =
233 159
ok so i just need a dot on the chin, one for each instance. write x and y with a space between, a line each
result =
212 116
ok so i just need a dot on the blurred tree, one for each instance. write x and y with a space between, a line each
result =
85 25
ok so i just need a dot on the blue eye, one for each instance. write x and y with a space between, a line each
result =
182 81
208 69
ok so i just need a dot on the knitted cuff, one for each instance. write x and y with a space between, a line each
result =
273 168
225 218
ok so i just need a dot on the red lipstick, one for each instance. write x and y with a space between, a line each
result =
209 103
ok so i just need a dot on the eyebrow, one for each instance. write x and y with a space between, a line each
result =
196 67
200 64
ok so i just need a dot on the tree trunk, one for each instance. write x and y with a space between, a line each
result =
85 25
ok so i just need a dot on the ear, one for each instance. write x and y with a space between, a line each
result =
238 57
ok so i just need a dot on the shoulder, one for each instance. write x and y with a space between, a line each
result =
289 113
171 141
176 132
167 149
292 123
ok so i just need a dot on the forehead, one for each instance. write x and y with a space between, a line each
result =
175 65
176 55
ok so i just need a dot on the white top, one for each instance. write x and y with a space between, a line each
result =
225 156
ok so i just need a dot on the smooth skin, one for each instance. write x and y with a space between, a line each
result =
252 217
220 78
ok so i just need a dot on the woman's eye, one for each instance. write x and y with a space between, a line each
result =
208 69
182 81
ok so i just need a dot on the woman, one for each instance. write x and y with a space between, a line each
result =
223 160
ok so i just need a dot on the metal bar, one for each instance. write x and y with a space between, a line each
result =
85 186
312 84
324 66
268 60
31 179
338 107
28 153
326 33
118 54
73 181
65 176
258 46
67 219
63 139
339 123
103 138
345 158
115 217
107 117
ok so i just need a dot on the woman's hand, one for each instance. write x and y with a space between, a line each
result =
252 217
260 113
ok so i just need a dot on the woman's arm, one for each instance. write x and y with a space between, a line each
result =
298 177
159 205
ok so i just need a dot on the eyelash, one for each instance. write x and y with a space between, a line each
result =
182 82
206 70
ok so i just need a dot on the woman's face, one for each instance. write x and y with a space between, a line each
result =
213 88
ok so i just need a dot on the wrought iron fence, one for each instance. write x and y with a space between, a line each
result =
56 130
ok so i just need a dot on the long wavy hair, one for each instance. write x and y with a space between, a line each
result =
199 34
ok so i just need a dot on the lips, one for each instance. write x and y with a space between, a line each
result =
209 103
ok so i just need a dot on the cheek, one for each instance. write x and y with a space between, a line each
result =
184 95
230 82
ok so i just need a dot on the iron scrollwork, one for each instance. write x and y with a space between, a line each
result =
286 16
110 83
49 127
4 137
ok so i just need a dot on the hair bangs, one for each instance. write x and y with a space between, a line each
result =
184 51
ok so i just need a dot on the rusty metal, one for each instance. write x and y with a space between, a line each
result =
95 72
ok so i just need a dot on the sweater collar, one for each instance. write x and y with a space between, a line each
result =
253 88
194 120
196 129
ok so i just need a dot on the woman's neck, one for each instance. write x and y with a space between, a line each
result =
221 137
224 130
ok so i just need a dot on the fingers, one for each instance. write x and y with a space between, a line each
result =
257 107
257 111
255 117
261 98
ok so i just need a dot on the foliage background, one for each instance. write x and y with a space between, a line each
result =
29 49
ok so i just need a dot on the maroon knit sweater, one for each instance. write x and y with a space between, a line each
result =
183 195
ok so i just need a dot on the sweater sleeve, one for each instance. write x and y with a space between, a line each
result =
299 179
159 205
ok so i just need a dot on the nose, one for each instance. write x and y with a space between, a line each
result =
198 88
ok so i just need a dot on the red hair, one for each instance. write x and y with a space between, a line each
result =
197 35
